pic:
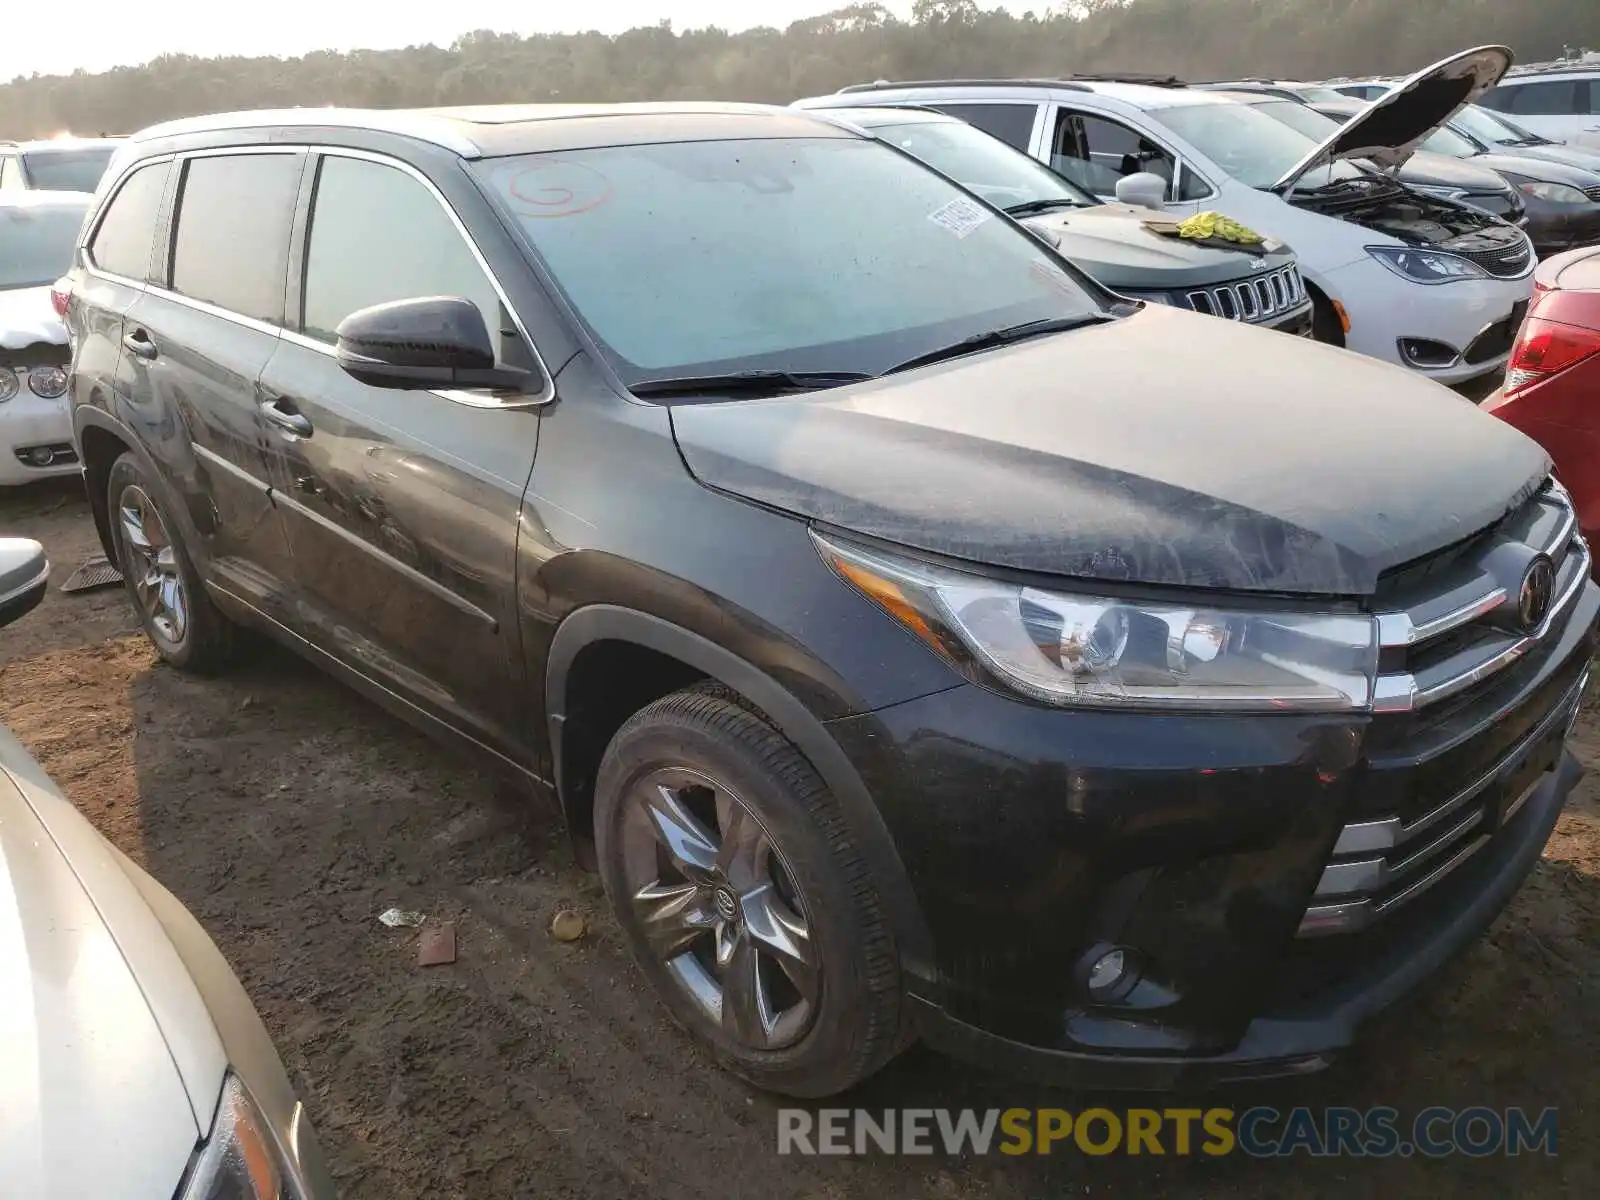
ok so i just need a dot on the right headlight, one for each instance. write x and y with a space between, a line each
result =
1106 651
1426 266
10 385
1553 193
241 1160
1440 190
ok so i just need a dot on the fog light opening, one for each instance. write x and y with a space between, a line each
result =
41 456
1428 354
1109 973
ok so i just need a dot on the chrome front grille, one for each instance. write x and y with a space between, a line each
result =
1593 193
1259 299
1380 864
1463 625
1453 623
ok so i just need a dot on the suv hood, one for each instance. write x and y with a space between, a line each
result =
1110 243
1165 448
94 1102
1388 130
27 317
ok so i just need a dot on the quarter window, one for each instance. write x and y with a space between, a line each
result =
1012 123
232 244
378 234
123 241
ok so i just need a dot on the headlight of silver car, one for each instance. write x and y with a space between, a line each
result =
48 382
10 385
1106 651
1553 193
1426 266
241 1160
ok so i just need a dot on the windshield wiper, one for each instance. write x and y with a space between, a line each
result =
741 382
1000 337
1029 208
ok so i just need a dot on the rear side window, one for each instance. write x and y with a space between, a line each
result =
121 244
1552 98
232 243
1011 123
378 234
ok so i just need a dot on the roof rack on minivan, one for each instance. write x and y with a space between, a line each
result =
886 85
1129 77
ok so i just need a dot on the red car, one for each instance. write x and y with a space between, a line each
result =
1552 388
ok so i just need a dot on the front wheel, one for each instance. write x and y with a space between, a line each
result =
733 876
178 616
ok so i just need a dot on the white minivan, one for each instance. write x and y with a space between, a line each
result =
1560 101
1425 282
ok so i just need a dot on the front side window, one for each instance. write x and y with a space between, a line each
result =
36 243
232 243
378 234
68 170
796 254
122 243
1095 152
1011 123
984 164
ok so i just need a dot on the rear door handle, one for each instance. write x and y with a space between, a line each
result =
138 342
280 411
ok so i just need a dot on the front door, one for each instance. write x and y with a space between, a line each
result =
401 507
1096 151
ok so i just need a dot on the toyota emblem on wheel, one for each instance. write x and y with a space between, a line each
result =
1533 600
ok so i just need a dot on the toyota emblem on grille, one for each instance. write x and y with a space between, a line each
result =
1538 587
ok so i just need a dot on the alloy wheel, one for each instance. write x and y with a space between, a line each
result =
719 908
153 565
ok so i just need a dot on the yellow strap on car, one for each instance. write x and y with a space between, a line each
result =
1209 226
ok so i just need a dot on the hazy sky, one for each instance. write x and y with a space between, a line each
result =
53 38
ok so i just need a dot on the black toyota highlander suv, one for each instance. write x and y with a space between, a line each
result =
918 638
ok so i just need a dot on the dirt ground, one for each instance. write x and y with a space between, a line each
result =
287 812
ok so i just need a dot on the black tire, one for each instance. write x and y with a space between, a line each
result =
858 1024
204 642
1325 324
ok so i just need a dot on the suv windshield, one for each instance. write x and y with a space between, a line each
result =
67 170
830 254
36 243
1250 145
980 162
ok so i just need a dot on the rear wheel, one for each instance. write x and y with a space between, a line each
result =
732 874
178 616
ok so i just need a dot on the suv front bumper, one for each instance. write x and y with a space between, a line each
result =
1036 838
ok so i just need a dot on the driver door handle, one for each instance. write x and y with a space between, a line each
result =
280 411
138 342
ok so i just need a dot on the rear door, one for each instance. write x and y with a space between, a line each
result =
194 345
401 507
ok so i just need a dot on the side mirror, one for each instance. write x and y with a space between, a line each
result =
427 342
24 577
1145 189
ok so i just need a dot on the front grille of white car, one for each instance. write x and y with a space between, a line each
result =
1258 299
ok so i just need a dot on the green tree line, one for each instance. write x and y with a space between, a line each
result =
1194 39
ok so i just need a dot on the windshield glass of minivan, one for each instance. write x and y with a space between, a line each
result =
980 162
1249 144
804 254
67 170
36 244
1447 141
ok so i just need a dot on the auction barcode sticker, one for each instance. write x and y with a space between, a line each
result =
961 216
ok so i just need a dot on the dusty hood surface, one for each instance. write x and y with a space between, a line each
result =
27 317
1110 243
1389 129
91 1103
1164 448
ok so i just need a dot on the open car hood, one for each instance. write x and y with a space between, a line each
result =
1389 129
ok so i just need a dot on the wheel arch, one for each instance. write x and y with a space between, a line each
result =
695 657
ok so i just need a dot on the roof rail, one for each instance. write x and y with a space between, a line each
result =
1130 77
889 85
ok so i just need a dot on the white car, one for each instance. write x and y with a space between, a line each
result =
38 231
1425 282
132 1064
1560 101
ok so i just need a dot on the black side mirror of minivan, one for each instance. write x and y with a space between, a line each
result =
425 342
24 577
